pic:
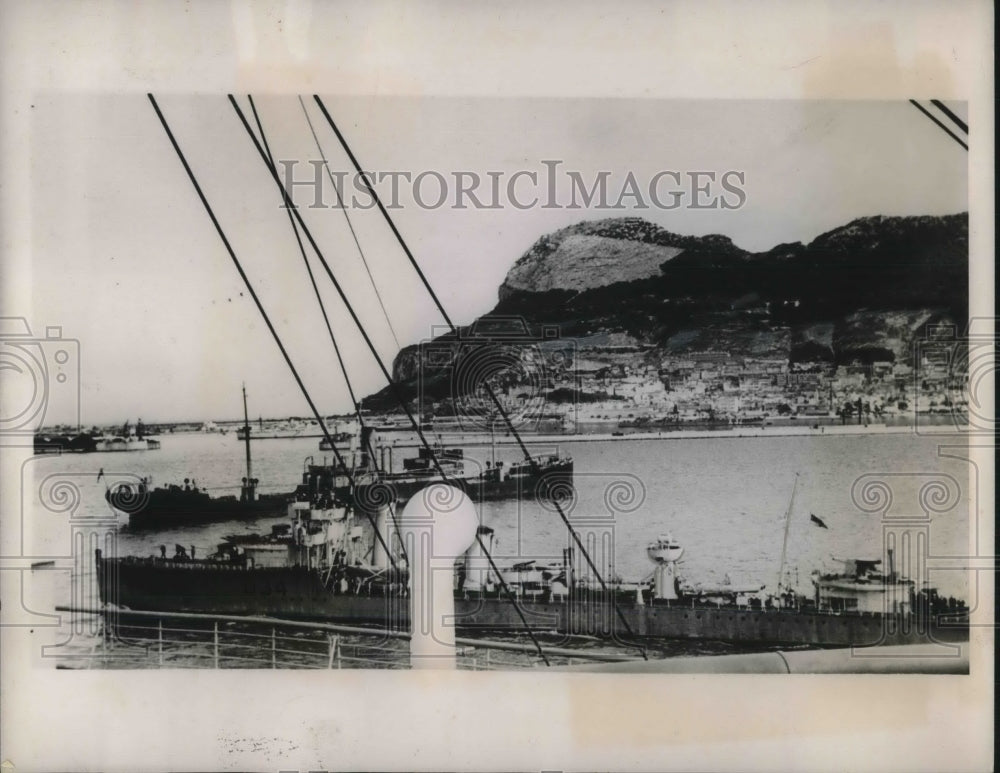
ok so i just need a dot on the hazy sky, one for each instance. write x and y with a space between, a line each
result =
127 262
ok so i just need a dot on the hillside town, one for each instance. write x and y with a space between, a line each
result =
716 387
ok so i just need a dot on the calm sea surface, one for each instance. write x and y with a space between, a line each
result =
724 499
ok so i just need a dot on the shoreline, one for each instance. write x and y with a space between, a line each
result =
477 439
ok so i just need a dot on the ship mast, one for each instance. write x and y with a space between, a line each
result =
248 488
493 439
784 544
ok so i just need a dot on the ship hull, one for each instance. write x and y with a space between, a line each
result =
169 509
281 435
121 446
553 481
298 593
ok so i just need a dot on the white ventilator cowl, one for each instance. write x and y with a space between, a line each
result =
438 525
450 514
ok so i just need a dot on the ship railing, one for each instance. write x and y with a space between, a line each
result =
149 639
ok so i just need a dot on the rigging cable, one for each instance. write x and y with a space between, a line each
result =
343 208
955 119
947 131
290 205
322 308
357 243
312 278
489 389
260 306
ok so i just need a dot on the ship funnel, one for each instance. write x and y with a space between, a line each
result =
438 525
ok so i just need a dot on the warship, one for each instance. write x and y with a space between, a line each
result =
177 505
326 564
372 479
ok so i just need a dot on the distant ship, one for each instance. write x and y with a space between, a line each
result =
335 437
187 505
59 444
285 431
118 443
128 439
544 476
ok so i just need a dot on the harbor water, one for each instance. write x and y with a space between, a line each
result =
729 513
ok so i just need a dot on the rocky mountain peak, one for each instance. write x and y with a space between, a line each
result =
597 253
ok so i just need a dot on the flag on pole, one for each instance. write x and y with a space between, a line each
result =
818 521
